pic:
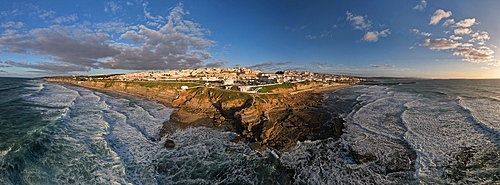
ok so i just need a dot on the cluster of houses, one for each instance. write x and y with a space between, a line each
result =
229 76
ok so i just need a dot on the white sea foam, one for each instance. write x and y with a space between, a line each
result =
329 162
438 132
201 156
109 140
5 152
485 110
435 129
35 85
54 96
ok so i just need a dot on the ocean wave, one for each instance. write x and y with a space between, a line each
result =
9 88
331 162
483 115
206 156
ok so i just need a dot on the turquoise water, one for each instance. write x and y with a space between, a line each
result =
53 133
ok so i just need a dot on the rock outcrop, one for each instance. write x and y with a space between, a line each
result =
264 120
276 120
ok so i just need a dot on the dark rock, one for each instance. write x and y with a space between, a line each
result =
237 139
338 126
402 158
155 139
262 148
255 146
169 143
361 158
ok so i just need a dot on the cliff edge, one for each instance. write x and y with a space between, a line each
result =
264 120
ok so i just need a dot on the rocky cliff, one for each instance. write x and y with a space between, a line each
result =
265 120
163 93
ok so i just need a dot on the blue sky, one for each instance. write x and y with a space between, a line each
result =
411 38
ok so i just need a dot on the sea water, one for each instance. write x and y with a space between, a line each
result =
53 133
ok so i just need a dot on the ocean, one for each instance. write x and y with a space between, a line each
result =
428 132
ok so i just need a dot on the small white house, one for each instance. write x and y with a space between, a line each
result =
228 82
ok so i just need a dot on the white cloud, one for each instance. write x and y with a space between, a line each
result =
133 36
421 6
462 31
12 24
466 45
44 14
438 15
178 44
63 19
425 34
418 32
440 44
454 37
112 7
479 36
495 63
466 23
110 27
215 64
373 36
30 9
474 50
383 66
359 22
295 29
158 18
384 33
310 37
481 55
449 22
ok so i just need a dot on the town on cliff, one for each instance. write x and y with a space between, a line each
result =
241 79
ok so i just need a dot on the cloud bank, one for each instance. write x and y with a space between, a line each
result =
464 42
271 66
175 44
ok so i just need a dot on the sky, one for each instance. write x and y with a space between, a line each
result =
411 38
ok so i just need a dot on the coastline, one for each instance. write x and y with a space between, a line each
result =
264 120
331 88
162 96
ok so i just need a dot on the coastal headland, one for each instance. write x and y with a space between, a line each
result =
278 118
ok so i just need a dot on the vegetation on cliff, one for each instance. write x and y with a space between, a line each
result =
270 88
163 92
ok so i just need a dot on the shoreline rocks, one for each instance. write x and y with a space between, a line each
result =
275 120
169 144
